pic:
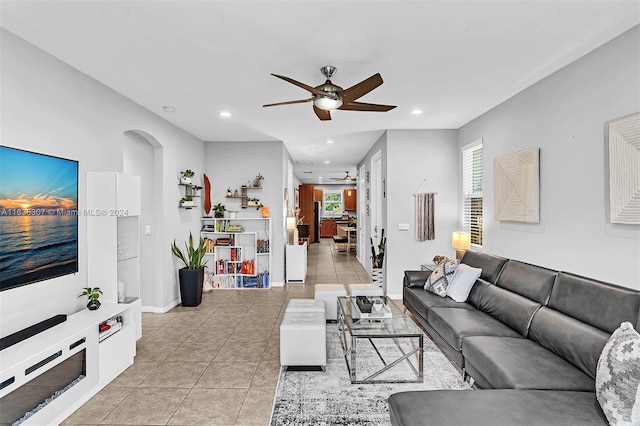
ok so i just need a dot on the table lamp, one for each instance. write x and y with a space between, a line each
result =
460 241
291 230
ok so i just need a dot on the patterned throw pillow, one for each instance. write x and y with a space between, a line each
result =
618 375
441 277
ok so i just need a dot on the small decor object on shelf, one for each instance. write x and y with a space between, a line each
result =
229 192
439 259
187 202
192 275
121 296
93 294
257 181
218 210
186 176
254 202
207 195
265 211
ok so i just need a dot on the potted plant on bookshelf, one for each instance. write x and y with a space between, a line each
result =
218 210
93 294
185 177
192 275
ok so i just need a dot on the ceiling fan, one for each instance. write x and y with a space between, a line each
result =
328 96
347 178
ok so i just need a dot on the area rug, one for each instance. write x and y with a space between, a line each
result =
329 398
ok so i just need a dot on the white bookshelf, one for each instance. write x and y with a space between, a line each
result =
239 252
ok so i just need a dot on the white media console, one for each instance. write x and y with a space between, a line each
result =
106 357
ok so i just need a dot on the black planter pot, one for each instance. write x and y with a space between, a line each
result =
191 281
93 305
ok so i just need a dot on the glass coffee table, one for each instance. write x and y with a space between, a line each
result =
393 342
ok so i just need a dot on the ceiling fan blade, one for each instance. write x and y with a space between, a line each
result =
322 114
361 89
302 85
289 102
361 106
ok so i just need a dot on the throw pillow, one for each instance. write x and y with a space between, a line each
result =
635 412
464 278
618 375
441 277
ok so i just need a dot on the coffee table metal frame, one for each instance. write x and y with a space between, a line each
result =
398 327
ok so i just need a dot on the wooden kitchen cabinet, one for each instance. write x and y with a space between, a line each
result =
328 229
306 194
317 195
350 200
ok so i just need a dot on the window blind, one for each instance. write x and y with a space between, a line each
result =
472 191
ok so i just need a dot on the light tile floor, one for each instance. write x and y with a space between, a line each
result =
215 364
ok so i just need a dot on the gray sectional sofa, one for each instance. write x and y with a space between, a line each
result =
529 336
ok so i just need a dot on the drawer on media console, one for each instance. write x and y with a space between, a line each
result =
116 353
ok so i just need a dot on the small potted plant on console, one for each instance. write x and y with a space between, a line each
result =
93 294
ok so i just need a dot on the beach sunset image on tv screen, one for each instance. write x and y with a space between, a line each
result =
38 217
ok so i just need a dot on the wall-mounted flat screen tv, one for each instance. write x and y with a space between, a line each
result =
38 217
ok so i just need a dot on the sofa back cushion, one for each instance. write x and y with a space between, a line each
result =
491 265
599 304
575 341
530 281
507 307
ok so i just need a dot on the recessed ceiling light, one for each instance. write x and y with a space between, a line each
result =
416 112
329 140
327 162
168 109
225 114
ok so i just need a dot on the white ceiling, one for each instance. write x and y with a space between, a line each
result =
454 60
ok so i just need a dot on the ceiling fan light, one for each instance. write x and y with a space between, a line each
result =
327 104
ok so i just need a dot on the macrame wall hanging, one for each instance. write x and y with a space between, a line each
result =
424 206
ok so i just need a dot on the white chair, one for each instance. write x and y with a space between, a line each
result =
329 294
303 339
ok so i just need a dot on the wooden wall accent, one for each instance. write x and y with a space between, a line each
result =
306 208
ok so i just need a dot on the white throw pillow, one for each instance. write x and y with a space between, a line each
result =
441 277
635 412
462 282
618 375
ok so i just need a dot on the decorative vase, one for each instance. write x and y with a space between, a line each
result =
191 282
185 180
93 305
121 296
265 211
232 215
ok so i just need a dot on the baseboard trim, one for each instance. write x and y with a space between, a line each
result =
160 310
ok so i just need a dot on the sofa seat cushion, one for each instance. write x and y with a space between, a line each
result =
496 407
508 363
455 324
422 301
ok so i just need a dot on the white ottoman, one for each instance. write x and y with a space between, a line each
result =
305 305
303 339
329 294
365 290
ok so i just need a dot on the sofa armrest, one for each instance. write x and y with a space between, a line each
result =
415 278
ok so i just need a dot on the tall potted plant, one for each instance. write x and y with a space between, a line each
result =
192 275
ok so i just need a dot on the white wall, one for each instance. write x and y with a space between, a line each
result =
380 145
414 156
51 108
233 164
565 115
